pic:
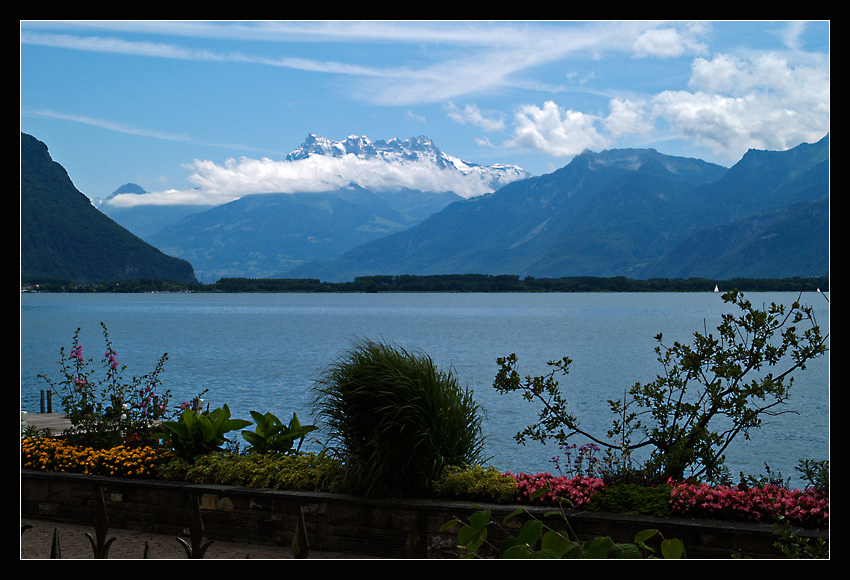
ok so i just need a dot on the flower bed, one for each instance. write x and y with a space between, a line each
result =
579 490
805 508
56 454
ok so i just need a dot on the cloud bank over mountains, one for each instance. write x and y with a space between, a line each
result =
322 165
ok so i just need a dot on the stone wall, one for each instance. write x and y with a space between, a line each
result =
339 523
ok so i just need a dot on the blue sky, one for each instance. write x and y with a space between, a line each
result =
209 106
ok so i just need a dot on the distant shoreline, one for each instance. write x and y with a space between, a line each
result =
446 283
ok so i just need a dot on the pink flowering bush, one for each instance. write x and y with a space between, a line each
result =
807 508
579 490
105 409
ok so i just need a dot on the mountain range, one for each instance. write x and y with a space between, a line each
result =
265 235
142 220
629 212
624 212
378 169
414 150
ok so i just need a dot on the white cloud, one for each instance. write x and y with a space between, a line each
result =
564 133
472 115
214 184
738 104
734 104
671 42
555 132
730 104
627 117
791 34
485 57
111 126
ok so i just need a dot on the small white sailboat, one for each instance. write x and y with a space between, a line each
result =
716 289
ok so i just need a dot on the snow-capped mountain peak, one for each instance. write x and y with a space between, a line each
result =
393 150
410 151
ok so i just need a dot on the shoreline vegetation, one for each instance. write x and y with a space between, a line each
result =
444 283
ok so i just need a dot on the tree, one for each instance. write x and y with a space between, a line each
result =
709 392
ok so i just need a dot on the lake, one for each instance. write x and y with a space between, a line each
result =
263 351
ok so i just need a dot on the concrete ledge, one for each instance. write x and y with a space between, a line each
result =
342 523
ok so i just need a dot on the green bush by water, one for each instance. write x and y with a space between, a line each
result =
395 419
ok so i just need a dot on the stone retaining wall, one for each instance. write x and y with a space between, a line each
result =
339 523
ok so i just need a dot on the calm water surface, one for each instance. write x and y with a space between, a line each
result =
263 351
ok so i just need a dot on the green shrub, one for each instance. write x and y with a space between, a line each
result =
476 483
535 538
174 470
632 498
272 436
395 419
308 472
194 434
816 473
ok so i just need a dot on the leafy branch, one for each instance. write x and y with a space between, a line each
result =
708 393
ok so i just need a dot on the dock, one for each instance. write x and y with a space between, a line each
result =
56 422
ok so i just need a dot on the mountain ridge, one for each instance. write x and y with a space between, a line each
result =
604 214
265 234
63 236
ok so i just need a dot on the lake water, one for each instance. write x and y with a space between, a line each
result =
263 351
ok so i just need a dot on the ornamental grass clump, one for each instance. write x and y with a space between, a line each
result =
395 419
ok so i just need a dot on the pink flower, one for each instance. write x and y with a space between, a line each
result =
579 490
805 508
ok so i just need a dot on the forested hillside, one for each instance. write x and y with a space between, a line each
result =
64 237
